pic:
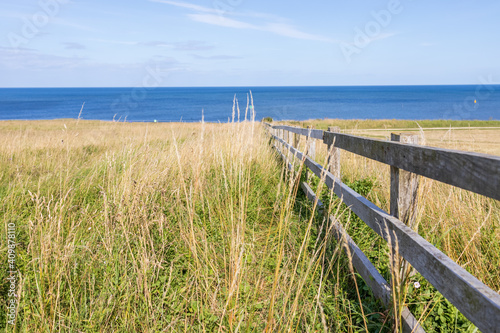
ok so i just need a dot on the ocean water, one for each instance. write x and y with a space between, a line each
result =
298 103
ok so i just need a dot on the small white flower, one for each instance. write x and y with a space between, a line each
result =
416 285
90 228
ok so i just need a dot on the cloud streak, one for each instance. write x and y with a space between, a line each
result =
214 17
31 59
216 57
73 46
189 6
190 45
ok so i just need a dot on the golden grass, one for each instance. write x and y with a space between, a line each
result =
185 227
158 227
464 225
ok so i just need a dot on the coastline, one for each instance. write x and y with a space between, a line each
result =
358 123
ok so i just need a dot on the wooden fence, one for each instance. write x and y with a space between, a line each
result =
475 172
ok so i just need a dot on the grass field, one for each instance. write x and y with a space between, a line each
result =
351 124
197 227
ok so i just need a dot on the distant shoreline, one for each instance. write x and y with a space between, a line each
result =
365 124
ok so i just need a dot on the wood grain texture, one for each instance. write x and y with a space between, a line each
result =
310 150
311 196
313 133
333 155
479 173
296 139
474 299
404 187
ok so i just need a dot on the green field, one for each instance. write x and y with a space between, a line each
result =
392 123
198 228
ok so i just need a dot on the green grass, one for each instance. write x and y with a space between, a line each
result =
164 227
198 227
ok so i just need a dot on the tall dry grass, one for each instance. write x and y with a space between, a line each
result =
194 227
162 227
464 225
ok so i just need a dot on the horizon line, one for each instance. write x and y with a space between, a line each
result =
259 86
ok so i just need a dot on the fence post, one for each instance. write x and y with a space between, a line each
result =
404 187
280 135
404 196
291 142
310 150
296 140
287 140
334 155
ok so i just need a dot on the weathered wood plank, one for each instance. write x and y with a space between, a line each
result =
311 196
404 187
404 199
410 323
474 299
479 173
280 135
313 133
296 140
310 150
379 286
334 155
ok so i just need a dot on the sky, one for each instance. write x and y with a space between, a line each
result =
177 43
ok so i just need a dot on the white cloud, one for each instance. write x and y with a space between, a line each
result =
191 45
73 46
221 21
11 58
215 17
384 36
24 67
189 6
280 29
216 57
290 31
72 24
108 41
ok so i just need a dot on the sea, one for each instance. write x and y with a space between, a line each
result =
215 104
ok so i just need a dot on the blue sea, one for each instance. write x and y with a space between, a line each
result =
298 103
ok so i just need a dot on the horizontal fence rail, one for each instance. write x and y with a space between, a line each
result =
479 173
474 299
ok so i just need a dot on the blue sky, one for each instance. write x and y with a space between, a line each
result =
90 43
